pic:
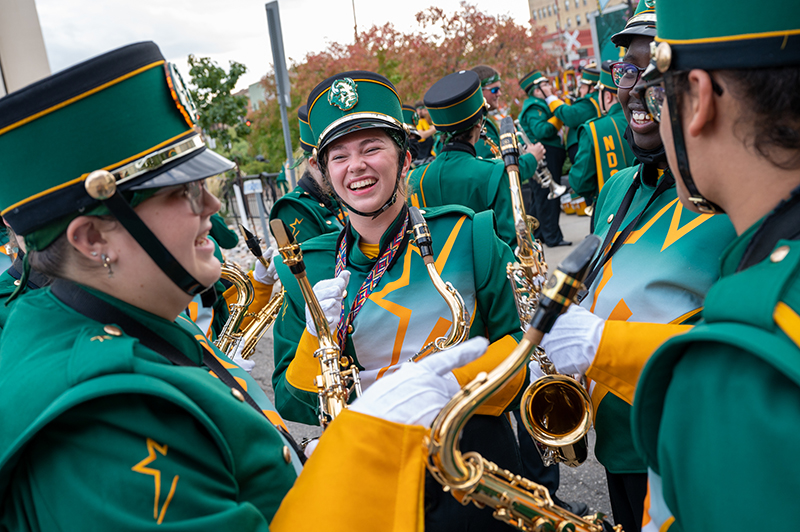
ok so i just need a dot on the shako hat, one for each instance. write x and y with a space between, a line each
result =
410 116
606 79
94 139
307 140
743 35
590 75
350 101
456 102
532 78
643 22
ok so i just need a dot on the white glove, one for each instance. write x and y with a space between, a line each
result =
330 293
414 394
266 275
572 342
237 359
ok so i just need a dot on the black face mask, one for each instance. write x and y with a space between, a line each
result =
654 156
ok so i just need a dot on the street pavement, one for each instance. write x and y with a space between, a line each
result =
586 483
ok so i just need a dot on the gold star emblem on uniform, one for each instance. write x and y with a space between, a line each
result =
293 225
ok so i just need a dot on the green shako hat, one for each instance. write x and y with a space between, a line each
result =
590 75
307 140
87 138
743 34
530 79
456 101
643 22
353 100
410 116
606 79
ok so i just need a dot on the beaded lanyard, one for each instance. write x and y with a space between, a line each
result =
372 280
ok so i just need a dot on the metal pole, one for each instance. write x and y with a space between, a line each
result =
282 80
355 24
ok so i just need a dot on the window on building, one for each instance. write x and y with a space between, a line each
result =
566 5
577 20
577 4
569 22
558 25
549 11
584 3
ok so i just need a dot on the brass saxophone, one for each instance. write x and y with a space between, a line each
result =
556 409
230 335
460 328
338 374
542 174
516 500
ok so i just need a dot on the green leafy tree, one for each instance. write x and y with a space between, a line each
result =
221 112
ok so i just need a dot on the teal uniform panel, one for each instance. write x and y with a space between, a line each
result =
602 152
459 178
660 275
402 313
144 451
533 118
707 399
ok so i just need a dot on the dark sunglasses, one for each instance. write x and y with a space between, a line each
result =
493 90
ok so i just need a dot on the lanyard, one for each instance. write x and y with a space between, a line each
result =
597 266
385 260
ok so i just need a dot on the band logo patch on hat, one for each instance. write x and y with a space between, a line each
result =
180 94
343 94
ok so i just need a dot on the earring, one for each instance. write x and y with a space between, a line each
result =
94 253
107 265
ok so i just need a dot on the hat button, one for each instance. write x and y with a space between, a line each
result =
112 330
321 204
610 218
237 394
287 456
328 222
779 254
17 282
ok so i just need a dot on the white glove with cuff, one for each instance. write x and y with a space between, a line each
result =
414 394
330 293
266 275
572 342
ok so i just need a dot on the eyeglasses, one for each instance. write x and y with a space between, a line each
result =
625 75
655 95
493 90
194 192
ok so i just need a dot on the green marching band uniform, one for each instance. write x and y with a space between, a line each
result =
457 176
307 210
579 111
716 409
137 422
602 150
403 312
541 125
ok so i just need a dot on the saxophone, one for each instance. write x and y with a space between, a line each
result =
542 174
516 501
338 374
460 328
230 335
556 410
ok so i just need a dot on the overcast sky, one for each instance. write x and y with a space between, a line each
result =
226 30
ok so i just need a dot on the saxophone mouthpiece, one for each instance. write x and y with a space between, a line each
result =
253 245
422 234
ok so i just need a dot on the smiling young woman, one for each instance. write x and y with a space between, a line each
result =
372 283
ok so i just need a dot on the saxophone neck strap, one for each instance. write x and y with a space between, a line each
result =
100 311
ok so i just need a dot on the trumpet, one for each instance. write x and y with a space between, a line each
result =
542 175
517 501
556 409
338 373
460 328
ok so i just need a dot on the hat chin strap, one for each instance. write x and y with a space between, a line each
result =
702 204
168 264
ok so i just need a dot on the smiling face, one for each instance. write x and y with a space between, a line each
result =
644 128
362 168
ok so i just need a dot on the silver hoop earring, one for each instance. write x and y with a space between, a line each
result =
107 265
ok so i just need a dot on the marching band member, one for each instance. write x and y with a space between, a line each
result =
390 308
117 413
